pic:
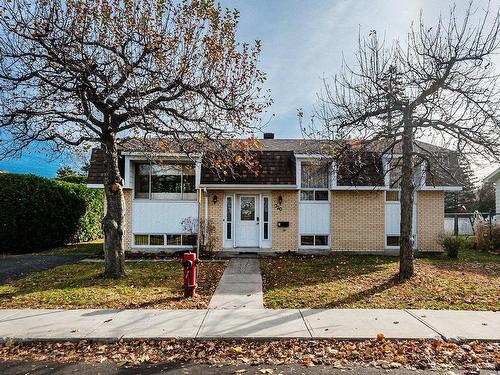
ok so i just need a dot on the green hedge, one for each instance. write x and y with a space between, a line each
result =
38 214
76 179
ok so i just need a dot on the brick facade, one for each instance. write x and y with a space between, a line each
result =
430 220
285 239
215 217
357 220
127 233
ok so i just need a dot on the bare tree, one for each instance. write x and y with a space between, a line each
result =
439 84
75 73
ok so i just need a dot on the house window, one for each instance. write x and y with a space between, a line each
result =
165 181
142 180
141 239
149 239
314 240
393 172
314 181
229 217
392 241
159 239
392 196
266 218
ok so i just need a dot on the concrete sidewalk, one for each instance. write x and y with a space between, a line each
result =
112 325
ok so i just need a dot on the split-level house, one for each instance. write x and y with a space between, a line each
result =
297 201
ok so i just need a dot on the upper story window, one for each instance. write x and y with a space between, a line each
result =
314 182
165 181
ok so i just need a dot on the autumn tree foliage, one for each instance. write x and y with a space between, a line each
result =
78 73
438 83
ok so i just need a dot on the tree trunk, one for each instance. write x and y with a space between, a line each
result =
406 270
114 220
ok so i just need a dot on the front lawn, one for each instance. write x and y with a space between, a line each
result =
82 248
366 281
147 285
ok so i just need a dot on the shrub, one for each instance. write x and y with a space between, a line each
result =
483 241
37 213
90 224
75 179
452 245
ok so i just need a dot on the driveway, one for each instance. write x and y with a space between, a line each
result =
16 266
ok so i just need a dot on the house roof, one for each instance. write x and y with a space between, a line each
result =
276 158
273 168
493 176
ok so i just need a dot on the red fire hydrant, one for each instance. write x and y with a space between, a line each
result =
190 263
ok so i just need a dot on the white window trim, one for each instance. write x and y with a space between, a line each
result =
150 193
164 246
319 247
266 241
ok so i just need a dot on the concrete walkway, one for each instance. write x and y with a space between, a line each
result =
113 325
240 287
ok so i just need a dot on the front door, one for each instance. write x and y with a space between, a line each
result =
247 221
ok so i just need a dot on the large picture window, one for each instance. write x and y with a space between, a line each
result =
315 179
165 181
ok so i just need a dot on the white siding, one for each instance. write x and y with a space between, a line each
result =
161 217
315 217
497 198
392 218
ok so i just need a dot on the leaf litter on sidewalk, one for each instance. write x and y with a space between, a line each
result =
380 353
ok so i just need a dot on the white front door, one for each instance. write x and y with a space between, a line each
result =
247 221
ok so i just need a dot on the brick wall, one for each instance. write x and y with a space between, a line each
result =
358 221
430 220
127 234
285 239
215 217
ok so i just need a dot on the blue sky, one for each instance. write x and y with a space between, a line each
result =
302 42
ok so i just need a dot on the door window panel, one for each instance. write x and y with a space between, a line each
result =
247 208
266 218
229 217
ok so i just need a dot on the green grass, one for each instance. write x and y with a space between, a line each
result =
367 281
83 248
80 285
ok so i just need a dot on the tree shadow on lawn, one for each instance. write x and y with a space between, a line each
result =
361 295
482 269
299 271
82 285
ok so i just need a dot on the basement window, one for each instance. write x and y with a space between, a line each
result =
171 240
314 240
149 240
392 241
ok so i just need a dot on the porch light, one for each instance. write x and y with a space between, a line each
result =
280 200
214 199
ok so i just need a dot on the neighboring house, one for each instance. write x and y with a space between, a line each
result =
294 203
494 178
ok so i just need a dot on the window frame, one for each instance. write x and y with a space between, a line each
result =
314 240
165 240
314 190
150 182
392 246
